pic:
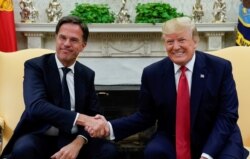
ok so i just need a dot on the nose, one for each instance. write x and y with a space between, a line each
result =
67 42
176 45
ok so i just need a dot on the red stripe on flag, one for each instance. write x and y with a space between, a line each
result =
8 41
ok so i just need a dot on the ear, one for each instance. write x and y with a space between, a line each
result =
195 43
84 45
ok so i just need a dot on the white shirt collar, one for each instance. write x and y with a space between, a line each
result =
189 65
60 65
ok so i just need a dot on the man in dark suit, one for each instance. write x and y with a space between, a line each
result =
211 130
47 128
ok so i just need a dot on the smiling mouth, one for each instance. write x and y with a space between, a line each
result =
179 54
65 50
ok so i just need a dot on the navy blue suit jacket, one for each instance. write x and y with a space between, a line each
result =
42 97
214 105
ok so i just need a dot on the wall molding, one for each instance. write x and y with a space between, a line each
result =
125 39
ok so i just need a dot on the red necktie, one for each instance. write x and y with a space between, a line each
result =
183 118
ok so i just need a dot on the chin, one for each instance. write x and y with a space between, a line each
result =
179 61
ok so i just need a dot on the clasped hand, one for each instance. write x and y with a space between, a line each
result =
97 126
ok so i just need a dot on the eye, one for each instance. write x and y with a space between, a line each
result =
62 38
169 42
74 40
182 40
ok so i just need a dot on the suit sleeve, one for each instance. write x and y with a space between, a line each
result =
140 120
91 105
39 108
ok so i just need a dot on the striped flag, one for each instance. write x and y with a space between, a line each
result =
243 28
7 27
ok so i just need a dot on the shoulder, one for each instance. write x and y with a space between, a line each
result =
158 64
43 59
212 62
209 57
158 67
82 67
83 71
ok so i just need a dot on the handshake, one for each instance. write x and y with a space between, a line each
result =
96 126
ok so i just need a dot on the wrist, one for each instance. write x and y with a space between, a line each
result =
81 120
80 141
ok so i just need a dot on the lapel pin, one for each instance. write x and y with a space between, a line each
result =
202 76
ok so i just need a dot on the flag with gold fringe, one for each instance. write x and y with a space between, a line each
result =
243 27
7 27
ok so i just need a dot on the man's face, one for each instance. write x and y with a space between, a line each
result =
69 43
180 46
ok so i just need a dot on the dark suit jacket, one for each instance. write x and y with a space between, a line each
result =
42 97
214 105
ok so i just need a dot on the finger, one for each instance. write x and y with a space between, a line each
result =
107 131
54 156
100 133
92 133
102 117
97 116
87 128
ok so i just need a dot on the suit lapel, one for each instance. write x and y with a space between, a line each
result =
54 83
198 83
79 87
169 87
53 79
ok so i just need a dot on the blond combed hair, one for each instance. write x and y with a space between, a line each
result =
180 24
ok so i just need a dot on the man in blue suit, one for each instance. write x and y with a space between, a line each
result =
46 128
213 112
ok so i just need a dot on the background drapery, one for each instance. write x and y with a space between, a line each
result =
7 27
243 27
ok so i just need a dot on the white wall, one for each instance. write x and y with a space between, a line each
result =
125 70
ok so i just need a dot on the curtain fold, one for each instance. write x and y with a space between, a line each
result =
8 41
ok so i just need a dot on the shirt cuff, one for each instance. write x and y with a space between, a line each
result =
84 138
77 114
111 132
206 155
